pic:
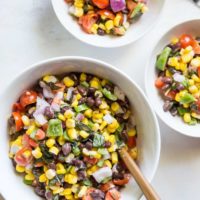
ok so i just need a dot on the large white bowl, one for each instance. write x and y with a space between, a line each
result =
176 123
135 31
11 185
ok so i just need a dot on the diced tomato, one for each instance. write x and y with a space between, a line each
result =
107 14
18 121
87 196
17 107
40 134
171 94
186 40
90 160
39 164
27 141
196 47
61 87
21 158
131 5
131 141
28 97
107 186
101 3
159 83
123 181
87 21
112 194
45 127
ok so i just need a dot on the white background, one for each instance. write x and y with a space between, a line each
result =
30 32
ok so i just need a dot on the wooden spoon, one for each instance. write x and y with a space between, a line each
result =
144 185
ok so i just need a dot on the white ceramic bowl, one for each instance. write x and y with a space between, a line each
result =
148 130
176 123
135 31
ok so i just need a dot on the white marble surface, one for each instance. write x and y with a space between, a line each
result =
30 32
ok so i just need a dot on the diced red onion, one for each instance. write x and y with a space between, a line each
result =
79 117
117 5
41 104
102 173
40 118
178 77
69 93
108 118
55 107
59 95
119 93
47 92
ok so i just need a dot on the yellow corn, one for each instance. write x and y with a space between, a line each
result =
50 174
42 178
94 168
132 132
66 191
174 40
187 117
112 139
68 81
37 153
61 117
168 73
133 153
49 78
72 133
94 83
83 134
75 188
195 78
25 120
173 61
85 121
104 105
70 123
45 168
106 135
178 97
61 140
103 125
109 25
89 172
83 77
74 103
95 127
54 150
94 30
114 157
82 191
112 148
69 197
50 142
186 105
102 26
195 115
195 62
68 114
117 20
97 115
58 190
30 129
29 177
20 169
108 163
88 113
182 66
193 89
60 169
191 82
71 179
73 170
115 106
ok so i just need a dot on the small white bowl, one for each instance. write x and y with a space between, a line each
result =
148 130
135 31
176 123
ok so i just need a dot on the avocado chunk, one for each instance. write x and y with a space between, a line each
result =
137 10
162 58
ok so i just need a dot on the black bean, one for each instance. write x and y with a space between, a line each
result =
167 105
49 112
97 194
107 144
91 91
173 111
75 92
98 101
11 121
52 165
82 100
109 87
81 175
61 157
119 167
81 146
124 136
50 100
66 149
167 80
63 125
100 31
40 191
179 86
89 77
117 175
64 109
82 90
88 145
90 101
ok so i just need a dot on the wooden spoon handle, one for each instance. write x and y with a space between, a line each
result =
144 185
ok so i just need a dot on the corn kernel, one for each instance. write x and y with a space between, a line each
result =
68 81
83 77
60 169
42 178
144 9
177 97
74 103
20 169
109 25
37 153
50 174
183 66
187 117
25 120
195 78
106 135
174 40
83 134
103 125
114 157
104 105
168 73
30 129
69 114
75 188
45 168
89 172
88 113
85 121
97 115
193 89
54 150
133 153
66 191
61 140
49 78
173 61
94 28
61 117
50 142
78 4
112 148
102 26
73 170
72 133
117 20
29 177
186 105
94 168
69 197
108 163
195 62
115 106
94 84
95 127
71 179
195 115
78 96
58 190
191 82
132 132
112 139
70 123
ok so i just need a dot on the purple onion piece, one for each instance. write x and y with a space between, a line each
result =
117 5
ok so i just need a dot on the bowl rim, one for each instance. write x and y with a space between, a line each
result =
94 61
148 66
114 44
